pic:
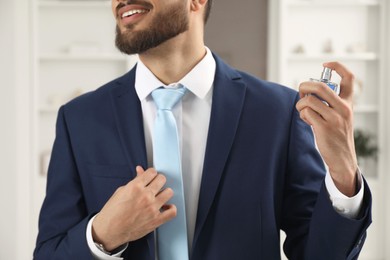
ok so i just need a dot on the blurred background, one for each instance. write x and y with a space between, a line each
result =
54 50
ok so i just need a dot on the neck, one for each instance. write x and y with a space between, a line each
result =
175 58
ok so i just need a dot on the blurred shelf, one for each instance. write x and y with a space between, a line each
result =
74 3
366 109
85 57
365 56
48 109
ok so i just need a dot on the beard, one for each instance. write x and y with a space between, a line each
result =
164 26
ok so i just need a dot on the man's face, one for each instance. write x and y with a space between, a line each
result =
145 24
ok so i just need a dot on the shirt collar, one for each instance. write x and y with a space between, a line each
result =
199 80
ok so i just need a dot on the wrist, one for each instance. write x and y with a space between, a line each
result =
346 182
101 238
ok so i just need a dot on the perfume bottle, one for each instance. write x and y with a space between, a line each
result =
326 77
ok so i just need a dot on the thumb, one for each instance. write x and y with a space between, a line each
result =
347 79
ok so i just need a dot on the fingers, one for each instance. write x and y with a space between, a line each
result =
316 105
153 181
340 69
164 196
168 212
338 107
145 177
321 90
311 117
347 79
157 184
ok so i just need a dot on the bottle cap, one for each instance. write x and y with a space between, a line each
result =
326 74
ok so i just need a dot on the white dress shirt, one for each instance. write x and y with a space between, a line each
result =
192 116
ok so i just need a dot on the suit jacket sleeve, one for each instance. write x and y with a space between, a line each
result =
314 229
63 217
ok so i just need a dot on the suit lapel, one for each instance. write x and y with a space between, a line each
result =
129 122
228 99
128 118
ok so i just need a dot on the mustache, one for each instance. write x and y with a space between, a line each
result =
122 4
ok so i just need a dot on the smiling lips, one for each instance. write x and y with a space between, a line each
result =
133 12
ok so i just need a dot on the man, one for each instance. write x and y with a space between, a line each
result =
248 158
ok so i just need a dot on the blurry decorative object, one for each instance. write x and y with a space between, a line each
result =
83 48
328 47
364 147
55 100
357 48
299 49
357 90
77 92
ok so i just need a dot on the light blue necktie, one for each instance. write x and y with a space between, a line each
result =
172 236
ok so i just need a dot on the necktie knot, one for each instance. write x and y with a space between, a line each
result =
167 98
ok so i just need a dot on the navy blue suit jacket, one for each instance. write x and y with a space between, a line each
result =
262 173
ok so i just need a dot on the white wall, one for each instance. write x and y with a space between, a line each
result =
14 130
237 31
7 134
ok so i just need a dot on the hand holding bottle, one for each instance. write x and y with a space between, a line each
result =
332 123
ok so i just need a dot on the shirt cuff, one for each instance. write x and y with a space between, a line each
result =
348 207
96 252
